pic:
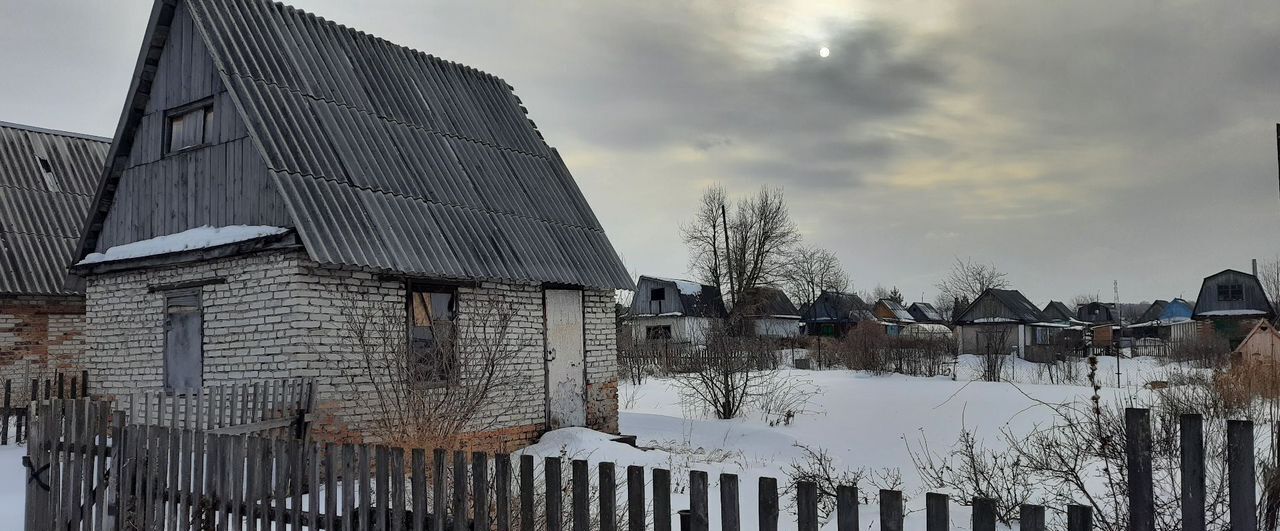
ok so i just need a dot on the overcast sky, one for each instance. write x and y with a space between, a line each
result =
1069 143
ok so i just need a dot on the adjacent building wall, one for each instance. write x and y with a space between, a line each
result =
279 314
38 336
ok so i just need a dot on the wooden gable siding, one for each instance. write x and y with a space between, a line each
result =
223 183
642 302
987 307
1254 298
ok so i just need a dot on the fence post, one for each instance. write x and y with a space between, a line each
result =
1031 518
661 499
729 514
551 476
698 506
890 510
4 428
635 498
768 495
846 508
502 491
1241 475
479 490
936 507
1079 518
608 502
984 514
807 506
1137 450
526 493
1191 454
581 503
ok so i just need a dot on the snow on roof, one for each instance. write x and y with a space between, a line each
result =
686 287
197 238
1225 313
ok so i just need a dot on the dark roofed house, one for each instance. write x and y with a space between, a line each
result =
1162 326
1097 313
834 313
769 311
47 179
1232 302
1001 321
680 311
1058 312
273 172
924 312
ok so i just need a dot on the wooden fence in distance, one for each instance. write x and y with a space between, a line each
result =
264 407
93 474
14 415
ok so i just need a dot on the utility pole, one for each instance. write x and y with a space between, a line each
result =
1115 291
728 255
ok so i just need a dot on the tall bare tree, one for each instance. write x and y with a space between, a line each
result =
1269 275
813 270
968 279
760 237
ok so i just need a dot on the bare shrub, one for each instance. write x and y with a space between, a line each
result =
780 398
863 349
430 397
816 466
1208 351
728 373
969 471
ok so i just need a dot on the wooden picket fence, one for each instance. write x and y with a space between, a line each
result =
92 470
14 414
276 407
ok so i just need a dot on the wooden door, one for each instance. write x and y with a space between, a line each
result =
565 359
183 342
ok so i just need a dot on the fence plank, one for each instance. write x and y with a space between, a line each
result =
480 491
418 481
348 485
438 489
581 503
1241 476
551 477
699 512
806 506
661 499
459 512
1137 450
608 481
280 488
846 508
936 512
381 488
1191 455
768 504
1031 518
315 497
890 510
1079 518
364 473
635 498
397 489
526 493
502 491
984 514
173 492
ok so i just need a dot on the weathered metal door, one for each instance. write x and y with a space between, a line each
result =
183 342
565 355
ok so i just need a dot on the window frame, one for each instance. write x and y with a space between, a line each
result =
205 105
650 335
171 302
1230 292
413 373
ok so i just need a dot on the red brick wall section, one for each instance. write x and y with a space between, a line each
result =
602 406
39 336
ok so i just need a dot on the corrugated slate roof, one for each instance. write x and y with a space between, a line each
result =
765 300
925 312
39 224
393 159
1019 308
834 306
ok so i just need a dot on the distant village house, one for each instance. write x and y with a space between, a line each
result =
674 310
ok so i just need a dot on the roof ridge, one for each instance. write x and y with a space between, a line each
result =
441 203
58 132
299 92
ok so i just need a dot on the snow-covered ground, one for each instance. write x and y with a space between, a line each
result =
862 420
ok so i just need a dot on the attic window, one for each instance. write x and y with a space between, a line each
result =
46 171
189 126
1230 292
658 294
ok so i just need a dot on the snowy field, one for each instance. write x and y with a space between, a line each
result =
862 420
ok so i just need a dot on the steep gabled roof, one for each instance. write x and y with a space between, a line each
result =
1017 308
386 157
696 299
1153 312
895 310
42 207
1096 312
925 312
765 301
839 307
1057 311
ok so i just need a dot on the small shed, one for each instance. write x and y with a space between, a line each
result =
1261 344
924 312
768 311
1231 301
674 310
1169 322
834 314
893 315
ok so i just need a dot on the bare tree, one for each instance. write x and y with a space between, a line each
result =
760 234
968 279
1084 298
1269 275
430 396
813 270
881 292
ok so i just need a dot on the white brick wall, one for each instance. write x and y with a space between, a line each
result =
279 314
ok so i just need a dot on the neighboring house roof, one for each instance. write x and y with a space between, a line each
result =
1249 301
837 307
765 301
385 157
995 306
1057 311
1096 312
47 179
1153 312
925 313
679 298
891 309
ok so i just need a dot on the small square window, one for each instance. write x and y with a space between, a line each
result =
1230 292
432 357
658 294
189 127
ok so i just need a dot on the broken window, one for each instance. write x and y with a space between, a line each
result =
183 341
189 126
662 332
1230 292
432 357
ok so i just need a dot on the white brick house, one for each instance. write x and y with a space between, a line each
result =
380 178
